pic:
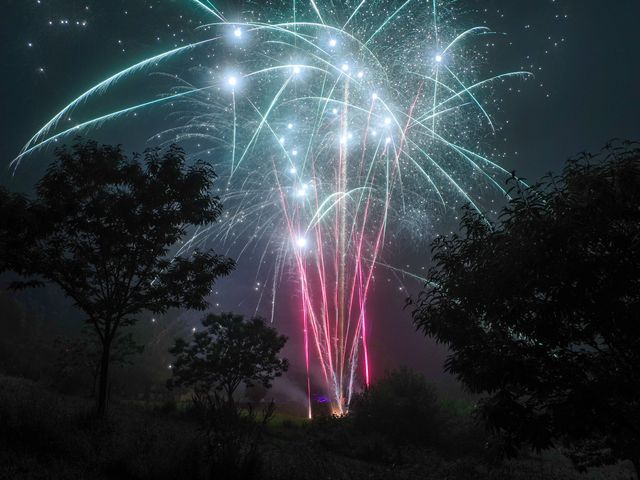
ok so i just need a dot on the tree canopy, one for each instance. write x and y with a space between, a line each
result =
227 352
541 309
104 227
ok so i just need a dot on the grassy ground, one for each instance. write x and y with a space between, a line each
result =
44 435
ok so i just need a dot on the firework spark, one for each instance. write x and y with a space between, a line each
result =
332 127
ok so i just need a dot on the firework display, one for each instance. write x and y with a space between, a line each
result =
334 126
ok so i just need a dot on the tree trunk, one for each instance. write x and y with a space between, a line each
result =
94 374
230 401
103 385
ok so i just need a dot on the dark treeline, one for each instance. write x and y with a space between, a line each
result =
538 307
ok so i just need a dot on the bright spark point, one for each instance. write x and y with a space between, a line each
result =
237 32
438 58
297 70
333 42
301 242
345 67
293 170
360 74
387 121
233 81
290 126
374 96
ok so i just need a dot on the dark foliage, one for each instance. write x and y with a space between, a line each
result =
541 309
227 352
101 228
47 435
232 437
397 420
402 406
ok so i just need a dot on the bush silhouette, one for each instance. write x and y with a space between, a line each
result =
402 407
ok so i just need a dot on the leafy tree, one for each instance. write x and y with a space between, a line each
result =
102 227
227 352
542 310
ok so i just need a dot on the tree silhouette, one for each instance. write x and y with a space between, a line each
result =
102 227
228 352
542 310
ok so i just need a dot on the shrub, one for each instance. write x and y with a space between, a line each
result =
402 407
232 437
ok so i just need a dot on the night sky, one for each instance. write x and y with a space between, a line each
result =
584 54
